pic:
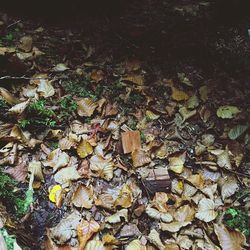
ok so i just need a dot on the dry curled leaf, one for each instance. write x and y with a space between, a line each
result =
84 149
83 197
154 238
135 245
118 216
85 230
140 158
125 197
45 88
174 227
94 245
155 214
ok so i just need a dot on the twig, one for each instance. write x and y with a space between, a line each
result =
12 24
28 78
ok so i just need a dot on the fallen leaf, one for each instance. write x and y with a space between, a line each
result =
86 107
206 210
83 197
60 67
19 172
135 245
66 175
237 131
55 195
118 216
178 95
7 96
57 159
45 88
154 238
131 141
66 228
223 159
19 108
151 115
160 201
102 167
84 149
97 75
136 79
229 239
176 164
125 197
36 167
174 227
155 214
26 43
229 187
227 112
94 245
140 158
85 230
185 213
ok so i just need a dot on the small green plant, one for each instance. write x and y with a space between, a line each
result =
9 37
78 89
237 219
143 137
9 239
22 205
3 104
23 123
67 107
38 107
53 145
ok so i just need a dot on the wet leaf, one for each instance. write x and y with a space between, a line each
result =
227 112
85 230
206 210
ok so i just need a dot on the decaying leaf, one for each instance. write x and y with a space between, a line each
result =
57 159
206 210
135 245
237 131
66 175
102 167
229 187
45 88
125 197
140 158
154 238
83 197
63 231
84 149
176 164
229 239
178 95
86 107
85 230
174 227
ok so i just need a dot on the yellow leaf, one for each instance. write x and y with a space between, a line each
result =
176 164
135 245
179 95
84 149
125 198
53 193
137 79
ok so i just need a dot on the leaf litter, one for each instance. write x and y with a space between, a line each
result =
116 157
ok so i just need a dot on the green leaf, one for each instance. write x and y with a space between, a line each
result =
227 112
237 131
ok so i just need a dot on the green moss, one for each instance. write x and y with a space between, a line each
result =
9 239
238 219
67 107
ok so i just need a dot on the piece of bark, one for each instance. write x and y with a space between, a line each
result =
131 141
158 180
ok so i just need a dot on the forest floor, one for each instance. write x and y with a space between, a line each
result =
107 143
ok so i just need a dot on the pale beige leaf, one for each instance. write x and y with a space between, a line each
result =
135 245
63 231
95 245
60 67
57 159
185 213
125 197
45 88
102 167
176 164
229 187
206 210
66 175
36 167
155 214
19 108
154 238
26 43
229 239
118 216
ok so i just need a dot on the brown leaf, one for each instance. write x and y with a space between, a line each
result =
85 231
86 107
140 158
83 197
19 172
229 239
131 141
26 43
97 75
